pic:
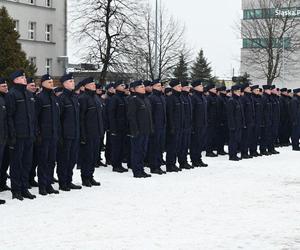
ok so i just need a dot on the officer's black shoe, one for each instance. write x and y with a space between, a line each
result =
94 182
254 154
42 191
266 153
222 153
17 195
246 156
64 188
74 187
184 166
55 180
2 202
102 164
138 175
86 183
108 163
196 164
172 169
33 183
202 164
274 152
120 170
296 149
157 171
4 188
145 175
234 158
51 190
211 154
27 195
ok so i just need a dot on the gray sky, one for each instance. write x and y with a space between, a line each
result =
209 25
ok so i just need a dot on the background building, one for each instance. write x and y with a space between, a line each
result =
42 25
289 69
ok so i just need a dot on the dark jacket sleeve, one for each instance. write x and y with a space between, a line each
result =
112 106
11 109
83 110
133 126
230 114
170 114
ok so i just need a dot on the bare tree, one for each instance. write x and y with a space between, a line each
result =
104 30
170 45
270 31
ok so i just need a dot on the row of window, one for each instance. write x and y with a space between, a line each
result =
48 64
48 3
271 13
32 30
258 43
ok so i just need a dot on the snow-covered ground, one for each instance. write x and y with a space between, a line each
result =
252 204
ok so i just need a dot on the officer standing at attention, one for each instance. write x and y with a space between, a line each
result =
249 112
21 126
285 120
48 131
266 136
91 130
3 125
117 116
199 124
222 126
236 122
187 125
212 119
275 118
295 111
140 125
31 87
258 125
156 140
68 143
174 126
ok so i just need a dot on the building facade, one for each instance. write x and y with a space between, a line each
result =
42 25
258 11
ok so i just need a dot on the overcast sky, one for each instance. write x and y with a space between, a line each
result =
209 25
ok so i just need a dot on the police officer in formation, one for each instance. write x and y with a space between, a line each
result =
67 126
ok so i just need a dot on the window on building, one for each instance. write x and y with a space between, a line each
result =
16 23
33 2
32 31
48 33
49 66
32 60
48 3
256 43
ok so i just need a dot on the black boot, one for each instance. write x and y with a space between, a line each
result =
185 166
211 154
234 158
156 171
27 195
172 169
94 182
74 187
33 183
86 182
202 164
64 188
2 202
42 191
51 190
17 195
145 175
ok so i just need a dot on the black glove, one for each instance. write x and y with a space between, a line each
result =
12 142
82 141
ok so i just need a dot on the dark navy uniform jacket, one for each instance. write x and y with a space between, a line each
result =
235 113
295 111
199 103
21 114
249 110
69 115
222 111
212 110
187 110
275 109
158 106
140 115
258 110
3 120
267 110
91 116
117 113
48 114
174 112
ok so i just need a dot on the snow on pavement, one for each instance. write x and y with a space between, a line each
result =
253 204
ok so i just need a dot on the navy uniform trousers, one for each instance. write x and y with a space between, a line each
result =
139 146
90 154
173 147
20 164
67 157
295 136
156 144
198 144
235 138
47 151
